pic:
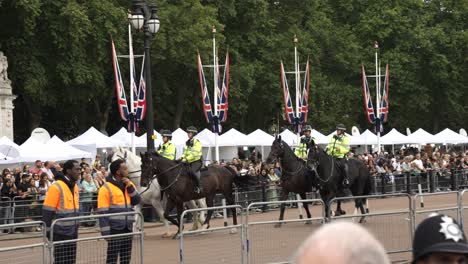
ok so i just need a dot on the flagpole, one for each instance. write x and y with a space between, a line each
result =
377 97
132 90
296 69
215 97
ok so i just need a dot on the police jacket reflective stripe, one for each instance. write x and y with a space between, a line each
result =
168 150
338 146
192 150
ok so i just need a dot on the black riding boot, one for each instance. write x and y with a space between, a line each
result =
345 175
198 186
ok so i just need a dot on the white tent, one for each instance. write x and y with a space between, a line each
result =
448 136
260 138
352 140
206 137
8 148
394 138
289 137
366 138
93 136
124 136
157 141
420 136
233 138
319 137
55 149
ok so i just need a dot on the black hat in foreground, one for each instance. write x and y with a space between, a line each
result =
438 234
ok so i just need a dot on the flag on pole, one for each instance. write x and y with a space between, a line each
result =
141 103
367 99
223 103
383 110
119 87
304 97
288 106
204 91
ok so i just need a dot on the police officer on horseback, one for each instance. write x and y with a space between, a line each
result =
301 150
167 149
338 148
193 156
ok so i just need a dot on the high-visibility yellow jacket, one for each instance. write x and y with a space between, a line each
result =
192 150
61 202
338 146
115 197
301 150
168 150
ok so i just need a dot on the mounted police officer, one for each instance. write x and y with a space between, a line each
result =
301 150
167 149
338 148
193 156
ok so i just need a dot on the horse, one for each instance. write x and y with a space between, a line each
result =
152 193
296 177
329 178
178 183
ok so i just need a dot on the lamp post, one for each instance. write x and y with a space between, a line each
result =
145 17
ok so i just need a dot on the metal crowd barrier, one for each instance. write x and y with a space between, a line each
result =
93 248
267 244
33 250
199 245
428 203
397 211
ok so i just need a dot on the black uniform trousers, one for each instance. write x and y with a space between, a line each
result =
119 246
64 253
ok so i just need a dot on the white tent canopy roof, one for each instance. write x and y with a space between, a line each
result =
8 148
158 141
124 136
55 149
448 136
233 138
289 137
93 136
393 138
260 138
179 137
420 136
206 137
366 138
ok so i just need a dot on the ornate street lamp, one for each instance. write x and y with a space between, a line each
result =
145 17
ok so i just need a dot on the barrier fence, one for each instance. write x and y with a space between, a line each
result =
199 244
87 248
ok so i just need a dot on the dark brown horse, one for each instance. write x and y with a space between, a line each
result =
295 178
176 181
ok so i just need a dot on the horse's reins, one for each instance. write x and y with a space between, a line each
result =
156 175
331 172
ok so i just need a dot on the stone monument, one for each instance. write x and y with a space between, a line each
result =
6 100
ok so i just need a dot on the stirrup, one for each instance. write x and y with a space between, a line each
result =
346 183
197 190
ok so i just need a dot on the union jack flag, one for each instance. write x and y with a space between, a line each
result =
204 91
223 96
304 97
140 108
119 87
367 99
383 110
288 106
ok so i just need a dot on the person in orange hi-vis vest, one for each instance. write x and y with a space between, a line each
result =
118 195
62 201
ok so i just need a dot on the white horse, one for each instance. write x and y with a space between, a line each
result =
152 193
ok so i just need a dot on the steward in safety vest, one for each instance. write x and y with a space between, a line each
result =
338 148
117 195
167 149
193 156
301 150
62 201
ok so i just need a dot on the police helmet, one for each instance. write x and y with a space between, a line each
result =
307 128
340 127
192 129
166 133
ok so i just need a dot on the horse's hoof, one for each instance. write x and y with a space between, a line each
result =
308 222
277 225
166 235
205 226
362 220
176 236
233 231
337 213
343 212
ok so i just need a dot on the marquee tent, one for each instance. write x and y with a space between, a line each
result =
260 138
366 138
93 136
8 148
420 136
448 136
157 141
55 149
394 138
124 136
289 137
233 137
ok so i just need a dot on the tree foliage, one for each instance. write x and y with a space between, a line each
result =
61 68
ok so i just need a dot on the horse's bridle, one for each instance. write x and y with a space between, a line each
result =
317 163
155 175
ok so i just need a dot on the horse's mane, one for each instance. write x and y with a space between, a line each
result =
131 158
